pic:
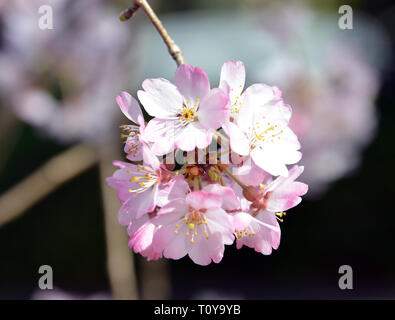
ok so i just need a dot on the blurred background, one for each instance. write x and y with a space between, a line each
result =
59 134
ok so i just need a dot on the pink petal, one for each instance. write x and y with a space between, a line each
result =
203 250
142 238
286 192
160 98
176 188
259 94
241 220
193 136
273 157
269 162
220 221
202 200
144 202
150 158
162 133
229 199
129 106
192 82
172 245
238 140
232 75
215 103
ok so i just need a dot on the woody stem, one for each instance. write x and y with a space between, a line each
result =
173 48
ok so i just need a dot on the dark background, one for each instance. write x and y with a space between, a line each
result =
352 224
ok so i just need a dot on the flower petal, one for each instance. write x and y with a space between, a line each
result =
150 158
237 139
213 110
193 136
129 106
192 82
160 98
286 192
162 134
203 200
229 199
232 75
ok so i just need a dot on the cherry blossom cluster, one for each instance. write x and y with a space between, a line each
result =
230 181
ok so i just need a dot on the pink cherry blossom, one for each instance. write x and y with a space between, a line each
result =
141 230
197 208
183 111
135 133
196 225
260 128
84 57
138 185
261 230
232 81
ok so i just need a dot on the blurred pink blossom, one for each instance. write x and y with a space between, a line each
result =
63 80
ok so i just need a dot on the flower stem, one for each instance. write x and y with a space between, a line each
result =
195 184
230 174
173 48
200 183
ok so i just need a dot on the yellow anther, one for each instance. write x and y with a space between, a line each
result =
177 226
176 231
191 226
130 190
192 241
187 233
195 233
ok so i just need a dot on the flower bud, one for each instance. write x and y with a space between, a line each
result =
251 193
170 166
195 171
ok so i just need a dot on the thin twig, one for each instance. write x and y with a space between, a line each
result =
173 48
45 180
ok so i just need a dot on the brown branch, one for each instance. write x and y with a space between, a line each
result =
155 279
173 48
45 180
